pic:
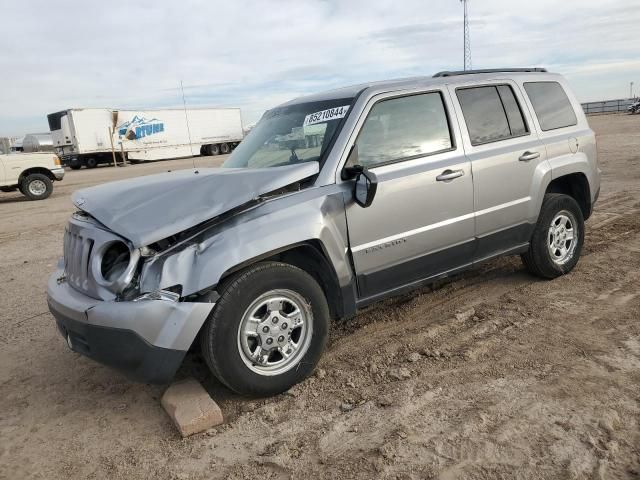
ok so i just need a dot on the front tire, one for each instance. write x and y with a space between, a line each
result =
267 330
557 239
36 186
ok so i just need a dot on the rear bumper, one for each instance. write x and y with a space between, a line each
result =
147 340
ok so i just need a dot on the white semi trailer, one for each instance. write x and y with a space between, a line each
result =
89 136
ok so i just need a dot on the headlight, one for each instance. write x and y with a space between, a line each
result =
114 265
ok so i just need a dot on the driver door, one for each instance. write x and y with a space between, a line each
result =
420 223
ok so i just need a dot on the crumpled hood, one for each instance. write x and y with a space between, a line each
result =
150 208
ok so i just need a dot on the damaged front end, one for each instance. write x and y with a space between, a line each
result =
95 298
125 296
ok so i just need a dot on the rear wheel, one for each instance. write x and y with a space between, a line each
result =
214 149
557 239
268 329
75 166
36 186
91 162
224 148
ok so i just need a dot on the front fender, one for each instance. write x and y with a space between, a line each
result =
314 214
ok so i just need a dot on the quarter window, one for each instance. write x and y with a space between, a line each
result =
512 109
491 113
551 105
402 128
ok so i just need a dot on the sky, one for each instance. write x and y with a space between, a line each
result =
255 54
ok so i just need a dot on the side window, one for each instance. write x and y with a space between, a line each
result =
551 105
405 127
514 114
491 113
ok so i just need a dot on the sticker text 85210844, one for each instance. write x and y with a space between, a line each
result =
326 115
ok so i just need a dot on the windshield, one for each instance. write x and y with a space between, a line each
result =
292 134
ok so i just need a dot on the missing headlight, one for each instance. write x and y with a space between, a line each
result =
115 261
114 265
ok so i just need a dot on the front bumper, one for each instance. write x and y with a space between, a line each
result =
58 173
147 340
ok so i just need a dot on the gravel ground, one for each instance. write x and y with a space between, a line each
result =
494 374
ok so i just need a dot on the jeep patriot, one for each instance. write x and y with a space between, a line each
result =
332 202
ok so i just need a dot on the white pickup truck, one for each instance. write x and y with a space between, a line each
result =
31 173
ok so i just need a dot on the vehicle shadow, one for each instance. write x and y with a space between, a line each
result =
12 198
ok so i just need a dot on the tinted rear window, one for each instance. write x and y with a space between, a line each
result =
511 107
551 105
491 113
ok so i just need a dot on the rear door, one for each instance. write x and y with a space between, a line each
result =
421 221
505 152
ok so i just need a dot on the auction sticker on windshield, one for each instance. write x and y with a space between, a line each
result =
326 115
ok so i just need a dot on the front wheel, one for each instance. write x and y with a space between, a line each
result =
557 239
36 186
268 329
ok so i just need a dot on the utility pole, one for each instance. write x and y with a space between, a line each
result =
631 90
467 41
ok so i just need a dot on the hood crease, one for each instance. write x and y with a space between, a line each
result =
150 208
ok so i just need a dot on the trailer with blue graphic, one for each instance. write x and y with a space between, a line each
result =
90 136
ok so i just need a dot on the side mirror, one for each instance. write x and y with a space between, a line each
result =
365 188
366 182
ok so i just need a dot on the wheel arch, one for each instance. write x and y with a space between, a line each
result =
41 170
576 185
311 257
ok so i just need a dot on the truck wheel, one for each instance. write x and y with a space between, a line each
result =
224 148
75 166
36 186
91 162
214 149
557 239
267 331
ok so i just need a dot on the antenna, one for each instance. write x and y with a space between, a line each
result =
467 40
186 117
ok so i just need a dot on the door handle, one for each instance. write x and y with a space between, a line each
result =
449 175
528 156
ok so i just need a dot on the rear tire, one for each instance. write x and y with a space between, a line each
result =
36 186
224 148
214 150
558 237
91 162
255 319
75 166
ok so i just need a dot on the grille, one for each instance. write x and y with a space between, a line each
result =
83 239
77 258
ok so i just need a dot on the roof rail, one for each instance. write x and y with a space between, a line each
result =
488 70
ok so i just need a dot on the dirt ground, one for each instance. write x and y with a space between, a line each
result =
494 374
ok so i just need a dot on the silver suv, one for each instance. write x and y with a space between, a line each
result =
332 202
